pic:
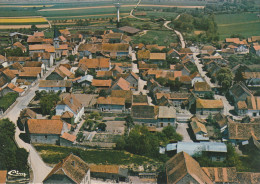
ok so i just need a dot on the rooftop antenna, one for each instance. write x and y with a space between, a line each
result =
117 5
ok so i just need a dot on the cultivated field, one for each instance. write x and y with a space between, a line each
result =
24 20
246 24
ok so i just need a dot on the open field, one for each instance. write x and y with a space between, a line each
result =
7 27
246 24
24 20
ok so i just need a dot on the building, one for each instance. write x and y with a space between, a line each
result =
144 115
101 84
45 131
97 64
55 85
112 172
71 170
128 95
111 104
3 176
121 84
239 92
216 151
199 130
182 168
166 116
207 107
250 107
61 73
67 139
71 104
201 88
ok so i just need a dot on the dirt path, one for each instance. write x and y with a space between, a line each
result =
100 7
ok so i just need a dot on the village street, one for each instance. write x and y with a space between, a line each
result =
39 168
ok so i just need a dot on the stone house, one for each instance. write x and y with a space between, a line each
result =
45 131
97 64
71 104
111 104
199 130
61 73
71 170
201 88
144 115
101 84
207 107
121 84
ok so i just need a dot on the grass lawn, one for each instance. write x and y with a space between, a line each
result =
156 37
246 24
52 154
7 100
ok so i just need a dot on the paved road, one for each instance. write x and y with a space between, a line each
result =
182 129
177 32
39 168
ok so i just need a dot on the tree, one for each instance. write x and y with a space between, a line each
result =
224 78
71 58
102 126
103 93
129 122
48 102
209 95
171 134
34 28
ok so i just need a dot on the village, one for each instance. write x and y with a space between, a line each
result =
185 109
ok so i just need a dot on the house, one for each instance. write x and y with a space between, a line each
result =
133 79
239 92
207 50
71 104
7 76
67 139
222 174
41 48
144 114
250 107
256 50
142 66
61 73
182 168
129 30
121 84
21 46
185 51
26 114
101 84
206 107
176 98
240 132
216 151
30 74
45 57
111 172
173 53
111 104
199 130
55 85
11 88
166 116
252 79
98 64
116 50
71 170
201 88
155 47
87 49
248 177
13 59
37 64
83 80
222 121
143 55
45 131
128 95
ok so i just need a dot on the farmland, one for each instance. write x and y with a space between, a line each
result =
24 20
246 24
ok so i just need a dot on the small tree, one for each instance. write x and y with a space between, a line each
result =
71 58
102 126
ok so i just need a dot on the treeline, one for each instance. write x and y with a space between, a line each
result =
11 157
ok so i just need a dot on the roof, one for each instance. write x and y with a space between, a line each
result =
15 88
209 104
253 103
67 114
65 71
32 64
129 29
122 83
95 63
46 47
241 105
127 94
111 100
198 127
38 34
72 166
143 111
221 174
174 96
158 56
69 137
33 39
3 175
115 47
140 100
181 165
185 51
239 89
8 73
93 48
45 126
30 72
143 54
155 46
248 177
18 59
112 169
54 83
167 112
222 120
243 131
201 86
101 83
72 102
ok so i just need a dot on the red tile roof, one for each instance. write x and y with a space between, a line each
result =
45 126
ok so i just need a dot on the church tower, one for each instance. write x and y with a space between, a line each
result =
56 38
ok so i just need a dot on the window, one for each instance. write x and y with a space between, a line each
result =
45 136
218 158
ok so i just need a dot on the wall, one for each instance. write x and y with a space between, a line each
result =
104 107
55 89
86 179
165 122
208 111
56 178
45 138
187 179
64 142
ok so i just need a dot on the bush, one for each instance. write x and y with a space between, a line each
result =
7 100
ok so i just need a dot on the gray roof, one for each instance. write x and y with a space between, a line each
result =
196 147
86 78
167 112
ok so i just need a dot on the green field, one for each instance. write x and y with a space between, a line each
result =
246 24
156 37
